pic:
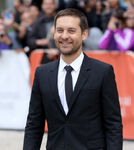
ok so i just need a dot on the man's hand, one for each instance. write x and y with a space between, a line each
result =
42 42
111 24
51 53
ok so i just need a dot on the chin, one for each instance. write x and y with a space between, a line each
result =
66 51
67 54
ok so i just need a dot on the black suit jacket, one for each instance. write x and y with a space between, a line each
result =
93 121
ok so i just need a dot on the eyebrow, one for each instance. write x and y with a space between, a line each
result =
70 28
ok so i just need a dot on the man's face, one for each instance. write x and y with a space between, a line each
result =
34 11
114 3
92 3
49 7
26 19
68 35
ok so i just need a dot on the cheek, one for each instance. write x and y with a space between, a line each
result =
76 37
55 36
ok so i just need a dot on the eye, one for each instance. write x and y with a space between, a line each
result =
59 30
71 31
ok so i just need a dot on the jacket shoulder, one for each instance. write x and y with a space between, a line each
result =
47 67
99 63
99 66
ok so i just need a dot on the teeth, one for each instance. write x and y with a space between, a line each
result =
66 43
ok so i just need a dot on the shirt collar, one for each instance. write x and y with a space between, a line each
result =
76 64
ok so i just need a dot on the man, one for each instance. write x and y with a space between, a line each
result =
40 34
86 118
40 37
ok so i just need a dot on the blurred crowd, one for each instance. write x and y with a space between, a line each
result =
29 26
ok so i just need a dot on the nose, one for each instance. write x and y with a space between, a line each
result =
64 35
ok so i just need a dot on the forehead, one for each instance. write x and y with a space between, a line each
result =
48 1
68 21
34 8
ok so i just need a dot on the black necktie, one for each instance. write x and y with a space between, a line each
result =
68 83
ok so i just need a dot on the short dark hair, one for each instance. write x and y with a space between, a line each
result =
73 12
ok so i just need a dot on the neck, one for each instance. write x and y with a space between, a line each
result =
70 58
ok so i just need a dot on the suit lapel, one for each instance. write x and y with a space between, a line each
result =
82 78
53 76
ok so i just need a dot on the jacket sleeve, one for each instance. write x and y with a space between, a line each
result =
36 119
31 40
124 39
112 121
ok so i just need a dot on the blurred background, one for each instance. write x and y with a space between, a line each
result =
26 42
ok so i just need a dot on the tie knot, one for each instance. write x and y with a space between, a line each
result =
68 68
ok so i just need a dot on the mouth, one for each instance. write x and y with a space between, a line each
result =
65 43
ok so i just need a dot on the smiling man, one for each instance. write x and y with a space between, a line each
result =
69 36
77 95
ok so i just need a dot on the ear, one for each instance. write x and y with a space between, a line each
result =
85 34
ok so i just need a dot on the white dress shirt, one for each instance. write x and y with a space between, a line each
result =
76 65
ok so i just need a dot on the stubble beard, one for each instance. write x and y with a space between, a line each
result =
71 52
